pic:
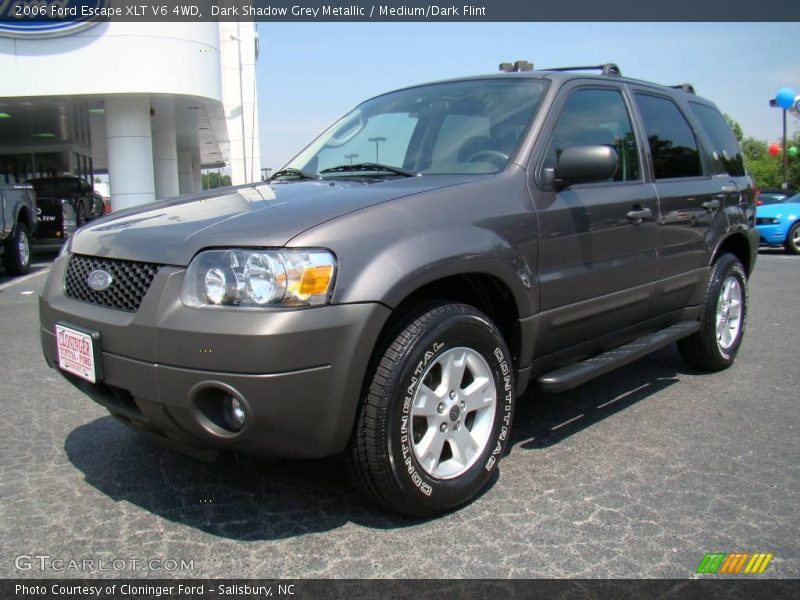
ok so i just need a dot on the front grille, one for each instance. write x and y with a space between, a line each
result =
130 283
765 221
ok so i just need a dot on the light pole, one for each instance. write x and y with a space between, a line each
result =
784 100
351 157
377 141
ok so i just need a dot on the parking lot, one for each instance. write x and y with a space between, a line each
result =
636 474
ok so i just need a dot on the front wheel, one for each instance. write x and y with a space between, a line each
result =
437 414
722 320
792 243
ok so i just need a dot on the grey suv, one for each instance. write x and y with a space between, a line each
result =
392 291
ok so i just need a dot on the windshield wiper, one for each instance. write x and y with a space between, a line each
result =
292 172
371 166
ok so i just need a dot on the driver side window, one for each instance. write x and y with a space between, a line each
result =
596 117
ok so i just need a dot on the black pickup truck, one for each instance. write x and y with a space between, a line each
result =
17 221
74 191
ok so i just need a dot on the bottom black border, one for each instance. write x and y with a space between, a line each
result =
300 589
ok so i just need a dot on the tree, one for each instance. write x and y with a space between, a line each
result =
735 127
213 180
765 169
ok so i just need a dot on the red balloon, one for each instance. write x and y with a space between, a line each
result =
774 149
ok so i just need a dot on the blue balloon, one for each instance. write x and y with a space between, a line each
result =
785 97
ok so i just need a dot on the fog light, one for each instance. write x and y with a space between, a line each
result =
233 413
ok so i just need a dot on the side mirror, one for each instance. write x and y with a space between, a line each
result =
585 164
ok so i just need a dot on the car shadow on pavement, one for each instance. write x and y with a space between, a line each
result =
248 499
542 420
235 496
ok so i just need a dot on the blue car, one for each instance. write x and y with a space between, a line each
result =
778 223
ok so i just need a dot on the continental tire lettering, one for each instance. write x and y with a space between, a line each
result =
502 363
410 390
405 446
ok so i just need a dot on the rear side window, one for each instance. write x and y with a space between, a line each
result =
672 142
727 154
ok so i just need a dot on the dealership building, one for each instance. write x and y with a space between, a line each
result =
149 104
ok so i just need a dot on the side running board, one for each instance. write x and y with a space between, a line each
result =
577 373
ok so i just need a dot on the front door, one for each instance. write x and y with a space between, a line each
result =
597 257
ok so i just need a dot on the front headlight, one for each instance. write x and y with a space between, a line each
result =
259 278
66 247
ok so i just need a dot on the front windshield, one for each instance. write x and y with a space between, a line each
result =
463 127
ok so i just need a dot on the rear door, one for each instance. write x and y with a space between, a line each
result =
691 197
597 242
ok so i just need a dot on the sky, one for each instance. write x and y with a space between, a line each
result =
309 74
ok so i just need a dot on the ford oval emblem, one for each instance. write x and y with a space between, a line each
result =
99 280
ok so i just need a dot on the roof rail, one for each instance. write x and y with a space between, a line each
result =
684 87
606 69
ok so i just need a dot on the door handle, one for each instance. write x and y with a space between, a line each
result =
710 205
639 214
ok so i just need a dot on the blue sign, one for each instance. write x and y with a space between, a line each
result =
49 18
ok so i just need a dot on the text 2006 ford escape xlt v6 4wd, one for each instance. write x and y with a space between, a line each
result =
393 289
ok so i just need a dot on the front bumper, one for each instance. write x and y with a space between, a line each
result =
298 372
772 235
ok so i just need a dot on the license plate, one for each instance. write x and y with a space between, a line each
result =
78 352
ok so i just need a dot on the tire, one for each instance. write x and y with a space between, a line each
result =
722 319
17 252
410 405
792 243
80 215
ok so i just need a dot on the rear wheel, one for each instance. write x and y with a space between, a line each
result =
437 413
792 243
17 252
722 320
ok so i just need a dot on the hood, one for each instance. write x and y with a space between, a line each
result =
777 211
264 215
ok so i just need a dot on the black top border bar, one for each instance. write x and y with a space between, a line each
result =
24 14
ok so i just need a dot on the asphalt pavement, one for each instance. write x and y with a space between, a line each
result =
639 473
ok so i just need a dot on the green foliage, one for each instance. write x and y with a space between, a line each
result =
735 127
767 170
213 180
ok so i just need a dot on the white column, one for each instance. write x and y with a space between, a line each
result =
238 62
185 171
130 151
197 180
165 149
